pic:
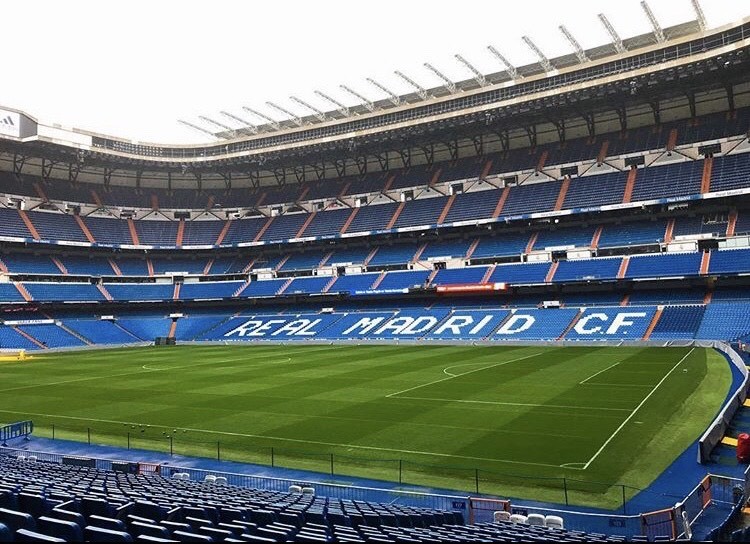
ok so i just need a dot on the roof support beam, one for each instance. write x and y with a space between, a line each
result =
699 15
423 94
658 32
478 76
294 117
217 124
247 126
395 99
574 44
447 83
512 70
543 60
365 102
343 110
318 113
197 128
616 40
273 122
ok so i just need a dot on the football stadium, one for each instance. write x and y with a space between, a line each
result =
514 307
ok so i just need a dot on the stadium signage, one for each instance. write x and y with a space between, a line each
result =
255 328
439 324
10 123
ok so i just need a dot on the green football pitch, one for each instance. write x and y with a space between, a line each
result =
549 423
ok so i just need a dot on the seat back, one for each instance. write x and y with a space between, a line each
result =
67 530
24 535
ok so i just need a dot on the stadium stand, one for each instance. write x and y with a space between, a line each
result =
626 228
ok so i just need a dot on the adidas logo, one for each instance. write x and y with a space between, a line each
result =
8 121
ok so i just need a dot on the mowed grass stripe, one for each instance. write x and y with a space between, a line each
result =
334 399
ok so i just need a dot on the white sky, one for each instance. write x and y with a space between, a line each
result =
131 69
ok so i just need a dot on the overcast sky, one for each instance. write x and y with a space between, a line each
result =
131 69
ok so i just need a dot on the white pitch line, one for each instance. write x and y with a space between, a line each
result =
498 403
465 373
296 440
250 365
600 372
636 410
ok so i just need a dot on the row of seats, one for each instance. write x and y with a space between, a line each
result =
497 245
720 320
431 208
638 267
49 502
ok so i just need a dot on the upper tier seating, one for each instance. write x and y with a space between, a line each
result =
668 181
657 181
474 205
536 197
598 190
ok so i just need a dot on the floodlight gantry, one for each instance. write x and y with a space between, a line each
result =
543 60
273 122
365 102
616 40
393 97
478 76
421 91
574 44
342 109
447 83
246 125
658 32
316 112
512 70
292 116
